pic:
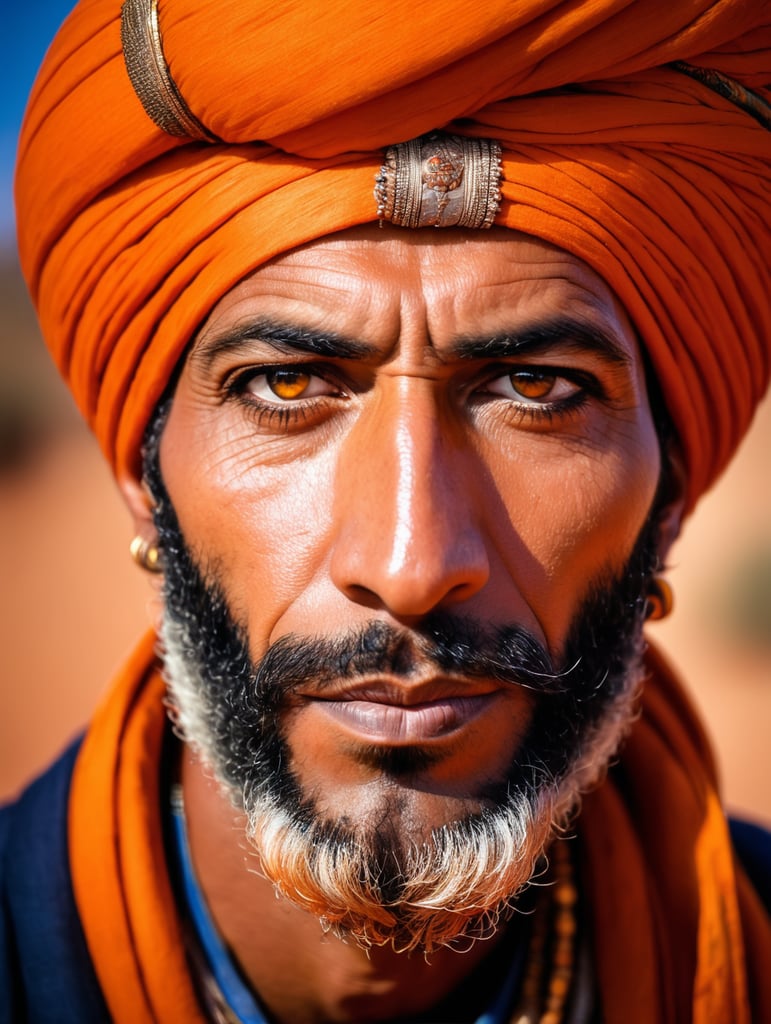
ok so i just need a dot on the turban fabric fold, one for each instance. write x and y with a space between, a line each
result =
128 236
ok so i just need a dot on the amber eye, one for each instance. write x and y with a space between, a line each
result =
533 384
287 383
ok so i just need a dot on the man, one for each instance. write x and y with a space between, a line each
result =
410 487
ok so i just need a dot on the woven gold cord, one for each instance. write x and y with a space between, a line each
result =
149 73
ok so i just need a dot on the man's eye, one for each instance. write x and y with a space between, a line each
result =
533 385
288 384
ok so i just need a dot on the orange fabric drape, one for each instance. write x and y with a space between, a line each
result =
679 935
129 236
699 938
118 862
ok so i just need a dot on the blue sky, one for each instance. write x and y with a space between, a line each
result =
27 31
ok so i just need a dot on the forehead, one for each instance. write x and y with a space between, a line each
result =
383 284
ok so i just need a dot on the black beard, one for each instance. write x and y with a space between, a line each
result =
241 702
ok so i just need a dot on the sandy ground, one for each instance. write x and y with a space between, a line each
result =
72 603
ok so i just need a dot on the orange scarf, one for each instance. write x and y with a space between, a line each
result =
679 933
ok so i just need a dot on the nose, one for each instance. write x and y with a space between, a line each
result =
407 539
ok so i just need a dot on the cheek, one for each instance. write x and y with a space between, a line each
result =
579 516
258 523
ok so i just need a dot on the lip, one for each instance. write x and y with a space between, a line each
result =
407 693
397 722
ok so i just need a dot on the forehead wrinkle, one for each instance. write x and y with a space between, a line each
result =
521 289
518 303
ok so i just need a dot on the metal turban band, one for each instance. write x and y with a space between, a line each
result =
149 73
441 181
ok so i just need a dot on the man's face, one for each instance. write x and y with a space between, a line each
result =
386 432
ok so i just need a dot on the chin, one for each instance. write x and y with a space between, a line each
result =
388 879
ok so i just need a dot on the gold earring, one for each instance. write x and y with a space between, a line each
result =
146 554
660 599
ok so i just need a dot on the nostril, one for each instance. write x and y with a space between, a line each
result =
363 596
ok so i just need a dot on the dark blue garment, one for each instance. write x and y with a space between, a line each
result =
753 846
46 975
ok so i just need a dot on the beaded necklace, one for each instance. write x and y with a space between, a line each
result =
546 986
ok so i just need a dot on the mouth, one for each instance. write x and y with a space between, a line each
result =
398 714
414 723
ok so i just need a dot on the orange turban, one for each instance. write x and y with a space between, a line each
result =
128 236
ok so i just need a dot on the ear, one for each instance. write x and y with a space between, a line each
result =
140 504
674 500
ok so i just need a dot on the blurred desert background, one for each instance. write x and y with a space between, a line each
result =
72 602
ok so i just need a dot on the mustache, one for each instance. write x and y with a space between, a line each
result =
449 644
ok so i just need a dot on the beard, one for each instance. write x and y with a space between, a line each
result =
382 880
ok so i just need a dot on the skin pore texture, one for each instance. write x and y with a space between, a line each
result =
415 470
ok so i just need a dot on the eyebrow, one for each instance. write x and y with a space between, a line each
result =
539 338
532 339
285 337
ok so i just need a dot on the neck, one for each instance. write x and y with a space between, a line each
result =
301 975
